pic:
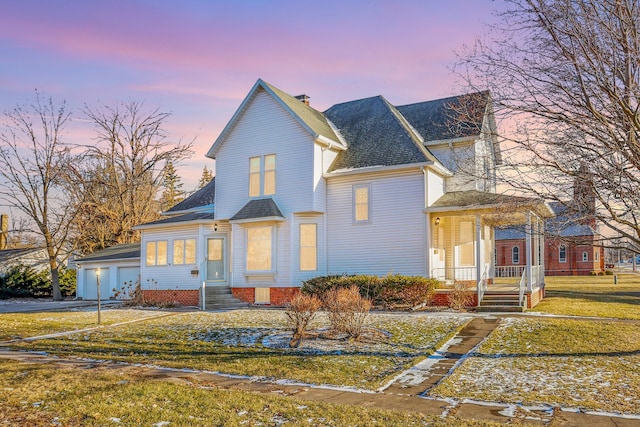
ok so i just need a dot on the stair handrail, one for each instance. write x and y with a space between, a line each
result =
203 295
482 284
523 286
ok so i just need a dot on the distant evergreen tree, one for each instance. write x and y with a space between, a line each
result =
207 176
172 183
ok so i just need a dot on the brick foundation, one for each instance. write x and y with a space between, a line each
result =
441 298
179 297
279 297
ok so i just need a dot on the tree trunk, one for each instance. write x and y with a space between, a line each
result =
55 283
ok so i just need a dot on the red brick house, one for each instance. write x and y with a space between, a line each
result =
572 246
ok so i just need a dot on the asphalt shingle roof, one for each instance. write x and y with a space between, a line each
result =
9 254
117 252
259 208
188 217
376 134
448 118
203 197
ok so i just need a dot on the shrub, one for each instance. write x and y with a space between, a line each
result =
67 280
347 310
608 272
402 291
460 297
300 311
367 285
24 281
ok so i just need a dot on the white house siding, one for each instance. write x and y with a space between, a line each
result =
282 250
395 239
435 187
265 127
170 277
460 158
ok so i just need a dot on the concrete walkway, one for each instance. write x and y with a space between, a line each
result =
407 392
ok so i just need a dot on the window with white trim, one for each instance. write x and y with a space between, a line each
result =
361 203
308 247
562 253
515 255
585 256
156 253
260 249
184 251
466 246
262 175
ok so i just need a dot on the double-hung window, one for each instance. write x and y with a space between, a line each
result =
515 255
262 175
184 251
361 203
308 247
562 253
156 253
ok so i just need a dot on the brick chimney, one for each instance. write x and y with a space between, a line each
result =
4 231
303 98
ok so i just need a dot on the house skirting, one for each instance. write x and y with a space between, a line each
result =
178 297
278 297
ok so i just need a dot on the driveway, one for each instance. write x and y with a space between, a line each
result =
26 305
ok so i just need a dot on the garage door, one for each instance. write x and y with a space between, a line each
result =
91 287
127 280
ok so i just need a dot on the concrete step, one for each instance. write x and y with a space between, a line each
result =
500 309
221 298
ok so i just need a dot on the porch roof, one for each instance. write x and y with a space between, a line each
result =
502 206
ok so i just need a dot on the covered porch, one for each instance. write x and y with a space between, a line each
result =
462 247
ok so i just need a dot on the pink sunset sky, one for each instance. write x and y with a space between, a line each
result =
198 59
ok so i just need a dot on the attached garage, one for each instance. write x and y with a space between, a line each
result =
119 268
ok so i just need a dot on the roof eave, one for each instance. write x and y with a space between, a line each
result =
381 169
260 219
177 223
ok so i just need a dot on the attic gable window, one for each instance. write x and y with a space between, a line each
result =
262 175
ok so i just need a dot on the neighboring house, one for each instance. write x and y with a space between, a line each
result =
119 268
573 246
35 258
364 187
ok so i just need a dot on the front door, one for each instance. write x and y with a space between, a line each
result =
216 271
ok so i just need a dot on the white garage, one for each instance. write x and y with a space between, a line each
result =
118 268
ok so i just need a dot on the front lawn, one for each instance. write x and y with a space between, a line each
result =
579 363
254 343
39 395
592 296
23 325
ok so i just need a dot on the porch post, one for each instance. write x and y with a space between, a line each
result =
428 246
478 251
542 250
529 250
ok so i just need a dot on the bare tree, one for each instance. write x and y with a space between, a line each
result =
123 173
34 170
565 79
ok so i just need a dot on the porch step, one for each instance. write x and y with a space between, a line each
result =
508 303
221 298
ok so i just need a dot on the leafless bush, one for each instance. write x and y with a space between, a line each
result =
460 297
347 310
301 311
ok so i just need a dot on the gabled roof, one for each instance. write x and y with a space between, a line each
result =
12 254
376 134
567 224
203 197
309 118
191 217
117 252
474 199
510 233
258 209
448 118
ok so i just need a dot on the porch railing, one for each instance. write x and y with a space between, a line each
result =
509 270
537 273
454 273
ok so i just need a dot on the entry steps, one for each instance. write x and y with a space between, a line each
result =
221 298
501 303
